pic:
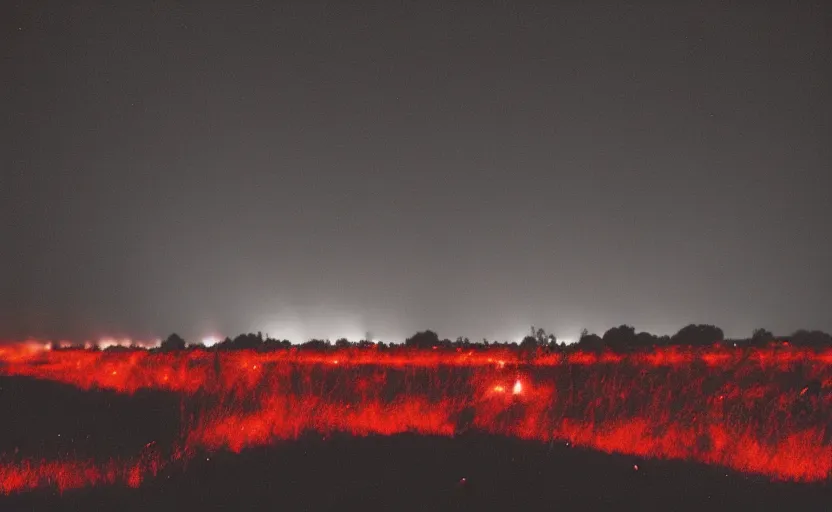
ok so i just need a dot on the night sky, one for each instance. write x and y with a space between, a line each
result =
313 169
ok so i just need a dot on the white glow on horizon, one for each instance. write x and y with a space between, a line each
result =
519 339
210 341
322 321
105 343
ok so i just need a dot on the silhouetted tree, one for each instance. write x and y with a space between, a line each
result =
424 339
173 342
273 344
646 340
316 345
342 343
247 341
226 344
590 341
528 343
119 348
698 335
806 338
620 338
761 336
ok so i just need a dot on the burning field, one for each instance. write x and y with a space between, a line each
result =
756 411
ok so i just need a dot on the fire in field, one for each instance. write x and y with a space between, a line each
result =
761 411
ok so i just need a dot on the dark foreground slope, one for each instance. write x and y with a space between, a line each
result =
407 472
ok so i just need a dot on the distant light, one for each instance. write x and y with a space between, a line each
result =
499 389
635 467
209 341
105 343
518 388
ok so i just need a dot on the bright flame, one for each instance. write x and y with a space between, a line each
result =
518 388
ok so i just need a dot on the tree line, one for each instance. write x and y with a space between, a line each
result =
621 339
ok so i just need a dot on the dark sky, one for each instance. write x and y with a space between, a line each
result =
326 169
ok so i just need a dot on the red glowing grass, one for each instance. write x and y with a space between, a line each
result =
734 408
